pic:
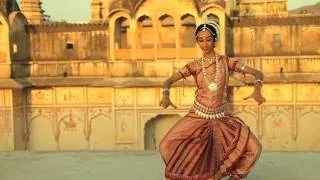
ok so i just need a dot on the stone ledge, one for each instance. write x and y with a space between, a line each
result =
15 83
100 81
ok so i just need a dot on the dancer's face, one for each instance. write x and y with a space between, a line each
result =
205 41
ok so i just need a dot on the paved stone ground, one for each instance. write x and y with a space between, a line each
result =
139 165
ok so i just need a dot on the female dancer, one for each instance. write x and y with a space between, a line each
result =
209 143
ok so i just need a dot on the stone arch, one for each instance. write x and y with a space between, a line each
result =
139 4
100 129
117 11
213 17
71 125
156 128
19 38
41 131
278 127
212 6
121 33
308 139
217 13
188 27
144 32
145 117
167 32
114 51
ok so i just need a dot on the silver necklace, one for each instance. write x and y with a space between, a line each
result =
212 86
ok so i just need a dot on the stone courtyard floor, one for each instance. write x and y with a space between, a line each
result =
139 165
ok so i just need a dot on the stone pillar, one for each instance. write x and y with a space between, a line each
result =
33 11
133 29
12 120
112 39
177 24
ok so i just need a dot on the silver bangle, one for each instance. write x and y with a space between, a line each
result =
258 80
165 89
243 66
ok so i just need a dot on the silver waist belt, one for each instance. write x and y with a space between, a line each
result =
208 113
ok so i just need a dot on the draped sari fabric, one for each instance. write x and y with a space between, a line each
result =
201 149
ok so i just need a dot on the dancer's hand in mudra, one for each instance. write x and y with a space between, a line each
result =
257 96
166 102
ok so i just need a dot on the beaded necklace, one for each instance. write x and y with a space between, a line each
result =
212 86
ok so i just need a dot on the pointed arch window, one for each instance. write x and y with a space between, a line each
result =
212 17
122 27
188 27
167 32
145 32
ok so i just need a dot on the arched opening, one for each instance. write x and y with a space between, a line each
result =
20 43
188 27
188 42
156 129
167 37
145 38
40 133
167 33
122 38
213 17
145 32
121 35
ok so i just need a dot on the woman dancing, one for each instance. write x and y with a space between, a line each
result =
209 143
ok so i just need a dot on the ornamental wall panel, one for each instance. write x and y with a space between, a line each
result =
5 98
100 96
41 133
124 97
307 93
71 128
101 128
276 93
125 126
6 130
278 131
242 92
69 95
250 115
146 97
40 96
308 124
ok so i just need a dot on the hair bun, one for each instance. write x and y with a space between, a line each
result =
215 25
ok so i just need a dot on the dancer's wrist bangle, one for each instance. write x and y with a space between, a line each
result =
165 91
258 81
